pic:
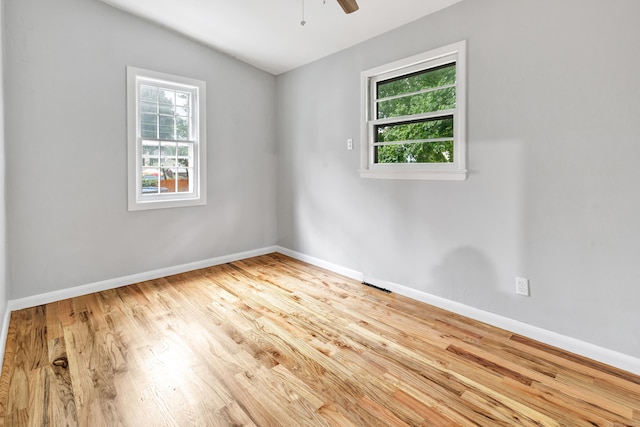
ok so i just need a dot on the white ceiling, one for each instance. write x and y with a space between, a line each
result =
268 34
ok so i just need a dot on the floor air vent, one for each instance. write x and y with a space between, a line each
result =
376 287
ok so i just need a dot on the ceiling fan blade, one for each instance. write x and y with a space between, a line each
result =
348 6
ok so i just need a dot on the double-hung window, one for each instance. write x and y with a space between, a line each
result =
166 140
414 117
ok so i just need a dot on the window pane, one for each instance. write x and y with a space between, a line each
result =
426 129
426 79
149 131
148 118
421 152
182 99
148 107
166 109
150 180
149 125
150 148
167 96
168 167
182 128
182 111
168 149
168 175
184 150
166 100
442 99
167 127
150 161
148 93
184 183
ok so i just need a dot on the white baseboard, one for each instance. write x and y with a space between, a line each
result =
604 355
35 300
104 285
573 345
352 274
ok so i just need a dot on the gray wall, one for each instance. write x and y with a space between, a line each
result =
3 216
68 223
553 148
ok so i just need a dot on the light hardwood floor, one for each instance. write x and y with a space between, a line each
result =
271 341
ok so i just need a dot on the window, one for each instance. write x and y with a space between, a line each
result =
414 117
166 140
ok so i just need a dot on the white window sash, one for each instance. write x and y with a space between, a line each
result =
456 170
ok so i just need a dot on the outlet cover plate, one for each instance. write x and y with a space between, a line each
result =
522 286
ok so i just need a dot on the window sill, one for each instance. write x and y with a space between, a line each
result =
415 174
161 203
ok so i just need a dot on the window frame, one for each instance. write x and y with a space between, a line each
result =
137 200
456 170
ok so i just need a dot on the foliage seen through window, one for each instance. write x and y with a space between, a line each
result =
427 140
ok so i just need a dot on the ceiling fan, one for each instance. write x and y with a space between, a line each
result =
349 6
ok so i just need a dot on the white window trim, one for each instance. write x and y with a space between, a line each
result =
136 200
455 171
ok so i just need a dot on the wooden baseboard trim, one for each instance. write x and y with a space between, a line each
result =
573 345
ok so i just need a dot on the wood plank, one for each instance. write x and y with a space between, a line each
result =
8 366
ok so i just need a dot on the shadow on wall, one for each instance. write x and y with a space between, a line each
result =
467 276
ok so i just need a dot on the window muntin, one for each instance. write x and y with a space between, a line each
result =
166 140
415 117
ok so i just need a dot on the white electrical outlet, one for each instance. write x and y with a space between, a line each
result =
349 144
522 286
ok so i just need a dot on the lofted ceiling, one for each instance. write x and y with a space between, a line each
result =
268 34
